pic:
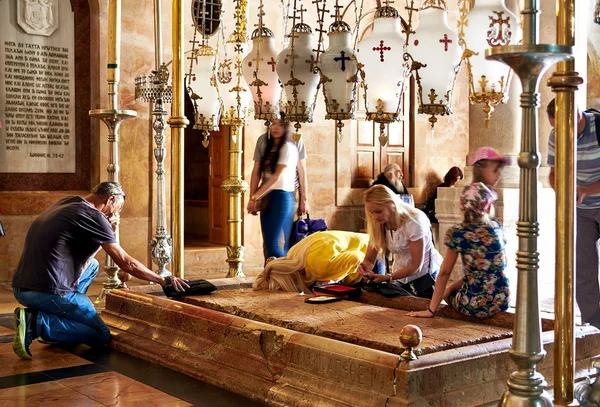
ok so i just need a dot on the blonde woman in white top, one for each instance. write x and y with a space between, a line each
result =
406 233
272 189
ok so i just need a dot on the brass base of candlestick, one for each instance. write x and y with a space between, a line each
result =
111 283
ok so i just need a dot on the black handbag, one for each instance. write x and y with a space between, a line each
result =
388 289
420 287
197 287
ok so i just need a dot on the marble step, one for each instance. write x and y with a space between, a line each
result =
207 261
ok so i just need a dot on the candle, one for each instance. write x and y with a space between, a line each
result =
114 40
390 101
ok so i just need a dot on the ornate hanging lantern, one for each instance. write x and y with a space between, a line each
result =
384 72
339 67
234 89
201 82
296 69
203 91
436 57
488 24
260 74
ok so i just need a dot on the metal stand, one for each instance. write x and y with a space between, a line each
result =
113 117
155 89
529 61
235 186
565 82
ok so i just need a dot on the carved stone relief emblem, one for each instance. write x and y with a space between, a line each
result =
38 17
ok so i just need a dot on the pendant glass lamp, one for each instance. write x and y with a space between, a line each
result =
381 53
436 56
488 24
296 70
202 88
260 73
338 67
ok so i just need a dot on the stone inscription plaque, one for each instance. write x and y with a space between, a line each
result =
37 110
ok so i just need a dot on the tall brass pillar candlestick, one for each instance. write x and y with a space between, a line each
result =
236 118
155 89
235 186
113 117
529 61
564 82
178 122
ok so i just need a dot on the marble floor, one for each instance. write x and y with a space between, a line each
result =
80 377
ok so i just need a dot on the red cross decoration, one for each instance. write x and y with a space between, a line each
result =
272 63
381 48
501 34
445 41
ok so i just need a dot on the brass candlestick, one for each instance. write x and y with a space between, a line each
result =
178 122
235 185
155 88
564 83
529 61
113 118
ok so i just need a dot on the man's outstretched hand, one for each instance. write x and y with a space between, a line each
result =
178 283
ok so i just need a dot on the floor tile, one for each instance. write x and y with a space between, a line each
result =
50 394
45 357
5 331
184 387
6 334
114 389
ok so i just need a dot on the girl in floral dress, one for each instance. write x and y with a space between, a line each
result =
483 291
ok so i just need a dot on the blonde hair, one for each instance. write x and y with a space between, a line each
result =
287 273
401 212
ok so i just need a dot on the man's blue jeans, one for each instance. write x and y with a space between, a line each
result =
70 317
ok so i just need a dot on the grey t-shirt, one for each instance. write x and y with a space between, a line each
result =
261 146
58 245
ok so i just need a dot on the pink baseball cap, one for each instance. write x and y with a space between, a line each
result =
486 153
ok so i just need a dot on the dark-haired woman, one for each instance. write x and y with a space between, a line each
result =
274 198
453 175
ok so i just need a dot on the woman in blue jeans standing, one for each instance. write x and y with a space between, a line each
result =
274 198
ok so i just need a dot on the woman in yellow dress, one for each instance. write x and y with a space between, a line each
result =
321 257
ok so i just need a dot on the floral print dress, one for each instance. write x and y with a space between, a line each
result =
485 290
